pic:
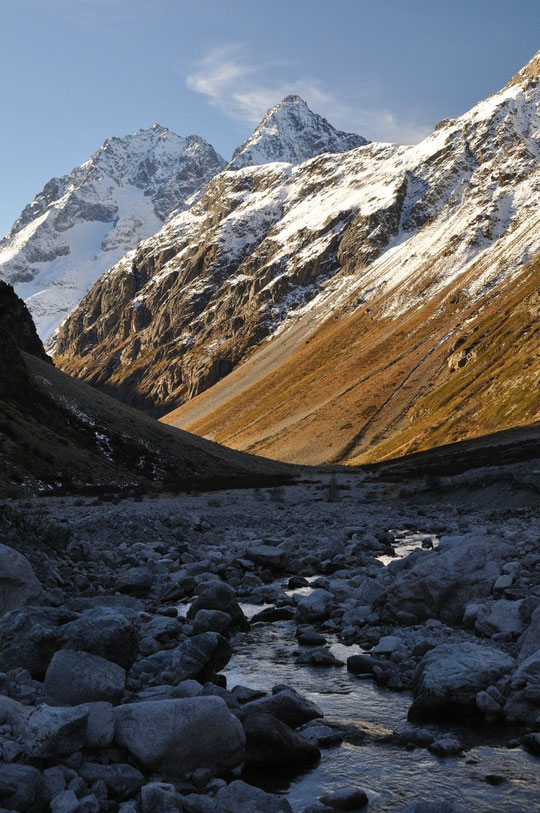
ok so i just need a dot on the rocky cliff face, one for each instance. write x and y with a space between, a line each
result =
82 223
271 254
16 321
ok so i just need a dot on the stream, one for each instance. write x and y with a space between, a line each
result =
391 776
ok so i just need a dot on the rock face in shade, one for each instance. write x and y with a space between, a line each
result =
81 224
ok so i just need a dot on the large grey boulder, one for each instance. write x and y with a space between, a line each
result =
316 606
21 788
219 596
450 676
174 737
440 583
19 584
239 797
198 657
53 730
103 631
30 636
78 677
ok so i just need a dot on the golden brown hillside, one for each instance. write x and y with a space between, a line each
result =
365 387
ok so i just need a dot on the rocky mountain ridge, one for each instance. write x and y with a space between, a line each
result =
272 254
291 133
82 223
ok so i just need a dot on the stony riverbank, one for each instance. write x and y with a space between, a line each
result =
121 621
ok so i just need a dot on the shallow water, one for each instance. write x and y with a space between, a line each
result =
391 776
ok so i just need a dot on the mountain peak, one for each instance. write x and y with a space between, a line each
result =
529 71
292 133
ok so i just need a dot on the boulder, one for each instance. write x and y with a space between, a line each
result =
349 798
198 657
174 737
287 706
267 556
19 584
315 607
450 676
529 641
29 637
211 621
78 677
502 617
21 788
440 583
100 725
103 631
270 742
271 614
523 702
239 797
219 596
136 582
51 731
14 715
160 797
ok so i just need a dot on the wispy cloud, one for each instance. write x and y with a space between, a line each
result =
243 91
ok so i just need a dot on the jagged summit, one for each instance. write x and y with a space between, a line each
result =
82 223
292 133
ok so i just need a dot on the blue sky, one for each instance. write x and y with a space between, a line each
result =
74 72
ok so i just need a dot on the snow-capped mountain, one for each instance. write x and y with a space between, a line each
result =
291 133
408 242
82 223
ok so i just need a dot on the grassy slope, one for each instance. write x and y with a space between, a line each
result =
365 388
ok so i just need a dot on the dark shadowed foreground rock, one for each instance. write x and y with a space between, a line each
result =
450 676
175 737
198 657
78 677
30 636
51 731
20 787
269 742
239 797
19 584
103 631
